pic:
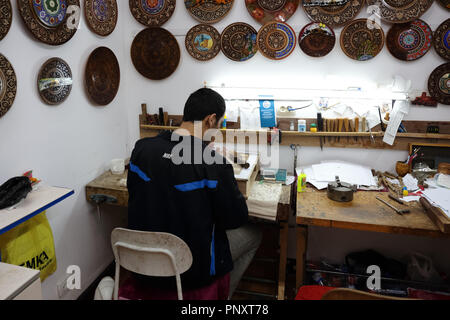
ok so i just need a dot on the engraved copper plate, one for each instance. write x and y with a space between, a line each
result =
326 11
101 16
102 76
152 13
439 84
316 39
361 42
155 53
203 42
445 4
409 41
265 11
442 39
53 22
8 85
208 11
5 17
399 11
276 40
238 41
54 81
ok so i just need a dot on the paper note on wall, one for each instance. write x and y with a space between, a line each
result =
401 108
267 113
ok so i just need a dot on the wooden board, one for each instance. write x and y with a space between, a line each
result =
363 213
15 279
108 184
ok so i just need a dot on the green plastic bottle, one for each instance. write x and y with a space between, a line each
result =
301 182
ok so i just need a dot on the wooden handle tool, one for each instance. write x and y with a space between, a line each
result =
356 127
347 128
340 124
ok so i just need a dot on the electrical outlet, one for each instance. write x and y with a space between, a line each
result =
62 286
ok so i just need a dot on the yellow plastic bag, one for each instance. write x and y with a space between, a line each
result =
30 245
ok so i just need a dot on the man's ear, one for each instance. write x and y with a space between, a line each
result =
211 120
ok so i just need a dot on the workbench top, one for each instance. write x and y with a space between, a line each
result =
14 279
365 213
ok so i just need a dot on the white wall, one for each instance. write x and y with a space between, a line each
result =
71 144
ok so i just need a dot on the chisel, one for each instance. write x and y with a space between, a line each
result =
356 127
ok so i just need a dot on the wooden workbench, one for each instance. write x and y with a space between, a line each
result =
364 213
109 184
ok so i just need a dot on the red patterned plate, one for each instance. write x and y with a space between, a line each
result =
265 11
409 41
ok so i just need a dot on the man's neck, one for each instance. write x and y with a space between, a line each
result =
191 128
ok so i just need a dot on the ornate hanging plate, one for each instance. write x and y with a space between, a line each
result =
8 85
442 39
332 12
155 53
5 17
53 22
276 40
152 13
400 11
54 81
316 39
265 11
102 76
409 41
439 84
360 42
445 4
208 11
238 41
101 15
203 42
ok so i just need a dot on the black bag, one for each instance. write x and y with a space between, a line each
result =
14 190
358 262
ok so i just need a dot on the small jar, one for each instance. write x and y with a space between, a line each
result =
313 127
301 126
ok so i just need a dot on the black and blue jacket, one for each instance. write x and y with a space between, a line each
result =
196 202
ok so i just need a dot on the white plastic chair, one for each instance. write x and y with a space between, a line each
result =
156 254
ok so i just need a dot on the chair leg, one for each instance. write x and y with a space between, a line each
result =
179 289
116 281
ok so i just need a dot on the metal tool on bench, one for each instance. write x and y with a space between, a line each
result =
340 191
400 212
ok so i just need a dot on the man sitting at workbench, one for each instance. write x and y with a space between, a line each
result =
196 200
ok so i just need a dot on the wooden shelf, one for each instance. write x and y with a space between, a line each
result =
329 139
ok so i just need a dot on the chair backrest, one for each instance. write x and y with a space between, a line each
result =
157 254
352 294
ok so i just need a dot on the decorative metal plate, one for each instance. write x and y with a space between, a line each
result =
208 11
439 84
265 11
155 53
101 16
409 41
5 17
276 40
442 39
445 4
102 76
8 85
360 42
50 21
203 42
54 81
152 13
238 41
316 39
400 11
332 13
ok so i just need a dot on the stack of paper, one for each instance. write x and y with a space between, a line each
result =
263 200
439 197
321 174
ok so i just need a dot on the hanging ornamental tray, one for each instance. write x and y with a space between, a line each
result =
152 13
361 42
208 11
54 81
5 17
441 39
155 53
203 42
101 16
276 40
102 76
439 84
399 11
445 4
332 12
265 11
316 39
238 41
409 41
8 85
53 22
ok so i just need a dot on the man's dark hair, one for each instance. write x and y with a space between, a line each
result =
202 103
